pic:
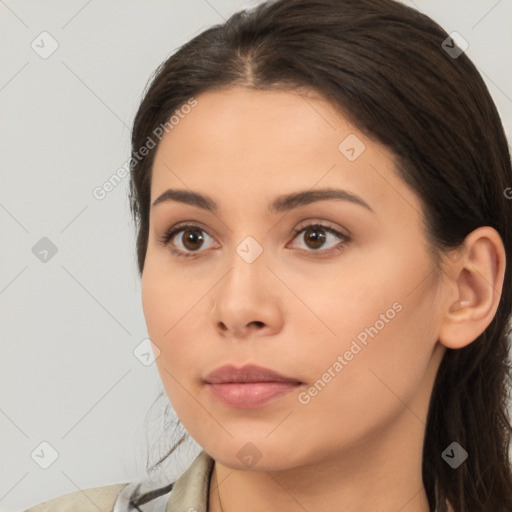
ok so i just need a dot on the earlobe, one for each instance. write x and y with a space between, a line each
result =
478 278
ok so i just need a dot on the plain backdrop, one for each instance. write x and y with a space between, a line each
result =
74 394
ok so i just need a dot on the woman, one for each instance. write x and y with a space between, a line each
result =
324 240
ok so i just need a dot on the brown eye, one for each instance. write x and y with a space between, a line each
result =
186 240
314 237
192 239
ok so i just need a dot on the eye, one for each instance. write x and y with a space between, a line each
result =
317 235
191 240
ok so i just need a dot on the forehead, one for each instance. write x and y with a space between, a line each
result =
242 118
242 143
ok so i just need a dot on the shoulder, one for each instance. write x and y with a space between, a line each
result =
94 499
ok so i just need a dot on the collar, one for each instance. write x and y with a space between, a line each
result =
189 492
191 489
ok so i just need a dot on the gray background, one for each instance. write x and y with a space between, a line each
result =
70 324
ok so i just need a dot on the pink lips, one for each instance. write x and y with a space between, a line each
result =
248 387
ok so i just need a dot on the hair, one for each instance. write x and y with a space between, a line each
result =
383 65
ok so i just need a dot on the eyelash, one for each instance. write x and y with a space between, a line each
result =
171 232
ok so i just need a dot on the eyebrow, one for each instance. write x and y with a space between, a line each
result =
282 203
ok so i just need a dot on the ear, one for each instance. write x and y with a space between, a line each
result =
476 278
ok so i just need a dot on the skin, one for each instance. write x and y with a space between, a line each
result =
358 442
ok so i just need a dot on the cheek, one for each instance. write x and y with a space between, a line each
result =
172 310
380 361
155 303
166 297
385 330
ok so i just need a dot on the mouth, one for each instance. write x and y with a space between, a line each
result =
250 395
250 386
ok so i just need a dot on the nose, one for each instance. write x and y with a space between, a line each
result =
247 301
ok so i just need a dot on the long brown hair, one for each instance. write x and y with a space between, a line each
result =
386 67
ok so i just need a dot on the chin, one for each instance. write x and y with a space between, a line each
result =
254 454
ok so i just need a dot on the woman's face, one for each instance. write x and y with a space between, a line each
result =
349 310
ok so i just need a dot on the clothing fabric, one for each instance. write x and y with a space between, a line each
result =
189 493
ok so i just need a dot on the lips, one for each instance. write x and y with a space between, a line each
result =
248 373
248 387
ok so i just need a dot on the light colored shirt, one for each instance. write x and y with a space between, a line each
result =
189 493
